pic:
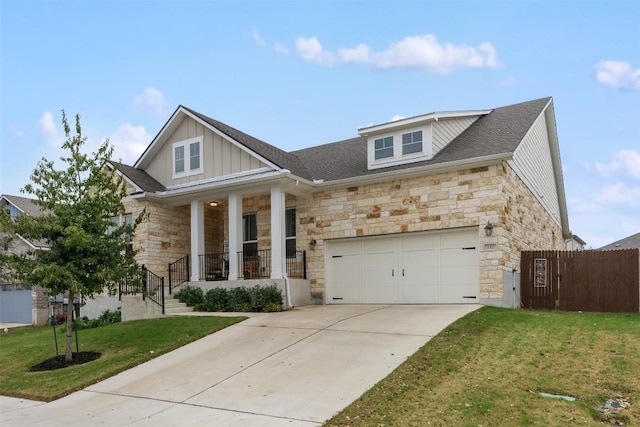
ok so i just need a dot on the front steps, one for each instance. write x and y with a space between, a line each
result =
172 306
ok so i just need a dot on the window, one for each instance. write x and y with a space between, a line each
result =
250 234
383 147
412 142
290 232
127 220
187 157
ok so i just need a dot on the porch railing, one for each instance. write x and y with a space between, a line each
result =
144 282
257 264
178 273
214 266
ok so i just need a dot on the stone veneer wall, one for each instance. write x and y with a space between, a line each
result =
442 201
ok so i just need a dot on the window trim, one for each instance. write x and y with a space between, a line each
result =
384 140
412 143
186 144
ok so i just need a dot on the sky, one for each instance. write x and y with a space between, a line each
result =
302 73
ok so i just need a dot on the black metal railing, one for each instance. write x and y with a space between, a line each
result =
153 287
257 264
178 272
146 283
214 266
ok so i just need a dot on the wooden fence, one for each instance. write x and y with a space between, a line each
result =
605 281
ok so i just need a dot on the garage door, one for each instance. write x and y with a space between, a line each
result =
417 268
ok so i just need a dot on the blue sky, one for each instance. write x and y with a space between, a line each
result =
297 74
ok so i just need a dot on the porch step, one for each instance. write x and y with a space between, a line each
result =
173 306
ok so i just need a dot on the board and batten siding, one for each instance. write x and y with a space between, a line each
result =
220 157
532 161
446 130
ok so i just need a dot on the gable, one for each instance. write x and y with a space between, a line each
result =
446 130
533 162
218 156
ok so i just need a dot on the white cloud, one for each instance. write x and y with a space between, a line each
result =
280 48
151 99
16 131
256 37
422 51
624 161
509 81
129 142
618 75
620 194
311 50
47 126
397 117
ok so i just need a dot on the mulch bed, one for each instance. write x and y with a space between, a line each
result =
58 362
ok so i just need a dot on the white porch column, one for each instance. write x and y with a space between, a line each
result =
235 233
278 247
197 237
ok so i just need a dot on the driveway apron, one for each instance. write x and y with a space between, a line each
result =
296 368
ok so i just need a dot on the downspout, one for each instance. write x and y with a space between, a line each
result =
287 288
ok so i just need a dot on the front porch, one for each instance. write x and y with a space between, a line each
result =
251 265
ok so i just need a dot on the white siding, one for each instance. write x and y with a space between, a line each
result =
445 131
220 156
532 160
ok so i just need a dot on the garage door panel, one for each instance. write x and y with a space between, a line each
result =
427 268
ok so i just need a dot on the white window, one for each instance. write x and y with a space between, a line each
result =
187 157
412 142
250 234
383 147
290 232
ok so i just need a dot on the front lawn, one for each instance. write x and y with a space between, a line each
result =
488 369
122 346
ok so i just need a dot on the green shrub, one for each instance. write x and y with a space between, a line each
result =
216 299
239 299
107 317
242 299
190 295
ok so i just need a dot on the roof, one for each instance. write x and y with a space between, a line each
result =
630 242
497 133
139 177
273 154
25 204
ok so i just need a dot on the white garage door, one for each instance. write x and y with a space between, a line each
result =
417 268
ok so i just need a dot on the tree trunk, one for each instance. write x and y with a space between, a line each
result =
69 333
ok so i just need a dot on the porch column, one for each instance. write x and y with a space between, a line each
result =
197 237
235 233
278 246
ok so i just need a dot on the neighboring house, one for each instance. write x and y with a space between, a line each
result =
575 243
428 209
630 242
22 303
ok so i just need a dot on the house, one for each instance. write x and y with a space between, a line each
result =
30 303
20 303
428 209
630 242
575 243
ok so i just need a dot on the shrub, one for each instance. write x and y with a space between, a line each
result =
107 317
239 299
216 299
242 299
190 295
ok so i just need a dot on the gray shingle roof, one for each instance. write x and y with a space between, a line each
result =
140 177
499 132
630 242
25 204
273 154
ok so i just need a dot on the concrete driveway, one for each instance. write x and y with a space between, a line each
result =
296 368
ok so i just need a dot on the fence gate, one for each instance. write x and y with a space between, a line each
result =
605 281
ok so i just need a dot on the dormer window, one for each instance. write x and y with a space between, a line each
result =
412 142
383 147
187 157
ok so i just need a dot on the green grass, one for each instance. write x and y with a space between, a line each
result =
123 345
487 369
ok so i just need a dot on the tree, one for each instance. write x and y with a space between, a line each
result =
88 250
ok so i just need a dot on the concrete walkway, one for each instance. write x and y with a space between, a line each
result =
296 368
